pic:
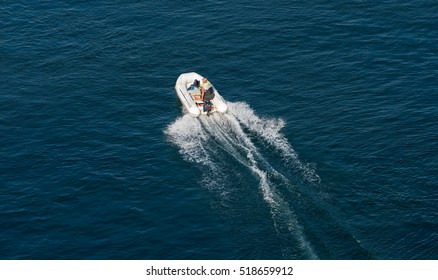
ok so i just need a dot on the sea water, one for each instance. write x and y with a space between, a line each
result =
328 150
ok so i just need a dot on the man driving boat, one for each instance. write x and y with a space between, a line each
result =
207 91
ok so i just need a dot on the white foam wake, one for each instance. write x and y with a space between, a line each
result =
192 135
269 131
189 136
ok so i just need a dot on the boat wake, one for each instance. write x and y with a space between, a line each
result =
240 147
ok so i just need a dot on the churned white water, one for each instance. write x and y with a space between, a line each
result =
200 139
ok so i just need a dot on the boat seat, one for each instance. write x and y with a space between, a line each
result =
196 94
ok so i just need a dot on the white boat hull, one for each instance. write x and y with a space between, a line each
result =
188 95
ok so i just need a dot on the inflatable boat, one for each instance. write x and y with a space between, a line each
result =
188 88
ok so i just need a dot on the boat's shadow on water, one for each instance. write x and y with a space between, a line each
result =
255 173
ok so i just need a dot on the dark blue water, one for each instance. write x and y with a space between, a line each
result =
329 149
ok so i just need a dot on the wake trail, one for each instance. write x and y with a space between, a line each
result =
231 136
269 131
192 135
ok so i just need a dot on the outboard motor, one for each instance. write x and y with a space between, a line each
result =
208 106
